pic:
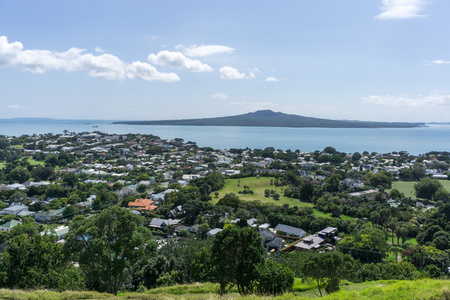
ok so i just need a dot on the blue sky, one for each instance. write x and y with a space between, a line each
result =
380 60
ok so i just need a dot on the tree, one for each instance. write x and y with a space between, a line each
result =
20 174
236 252
37 261
106 245
383 179
70 211
70 179
231 200
427 187
274 278
418 172
18 197
328 269
42 173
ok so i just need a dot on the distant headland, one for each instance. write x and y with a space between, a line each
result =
268 118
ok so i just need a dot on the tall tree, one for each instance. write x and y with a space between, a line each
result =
106 245
236 252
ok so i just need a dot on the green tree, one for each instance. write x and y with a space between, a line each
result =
37 261
19 174
427 187
274 278
70 179
106 245
236 252
42 173
418 172
328 269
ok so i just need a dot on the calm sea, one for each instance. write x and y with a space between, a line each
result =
414 140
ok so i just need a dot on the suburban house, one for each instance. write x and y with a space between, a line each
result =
318 240
14 209
213 232
271 241
162 223
250 222
9 225
59 231
143 204
44 216
286 230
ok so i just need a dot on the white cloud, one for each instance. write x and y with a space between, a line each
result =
179 61
140 70
401 9
204 50
221 96
104 66
433 100
272 79
439 62
99 49
15 106
228 72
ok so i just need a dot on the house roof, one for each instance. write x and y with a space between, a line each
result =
11 224
310 242
277 242
290 230
143 204
213 232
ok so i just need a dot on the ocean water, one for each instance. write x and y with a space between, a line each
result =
435 137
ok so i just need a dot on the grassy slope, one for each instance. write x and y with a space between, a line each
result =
421 289
258 185
407 187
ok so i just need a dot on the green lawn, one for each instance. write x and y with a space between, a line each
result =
407 187
17 146
258 185
34 162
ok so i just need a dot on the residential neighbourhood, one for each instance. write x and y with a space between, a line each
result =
324 201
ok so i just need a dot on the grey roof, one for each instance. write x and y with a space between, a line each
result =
158 222
310 242
213 232
277 243
267 235
290 230
328 230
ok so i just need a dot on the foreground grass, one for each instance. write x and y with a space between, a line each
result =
425 289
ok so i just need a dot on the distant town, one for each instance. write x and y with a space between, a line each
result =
380 209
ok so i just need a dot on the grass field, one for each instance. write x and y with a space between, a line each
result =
407 187
258 185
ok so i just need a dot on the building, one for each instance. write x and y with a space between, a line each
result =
143 204
9 225
290 231
14 209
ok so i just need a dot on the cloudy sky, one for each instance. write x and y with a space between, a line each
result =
380 60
